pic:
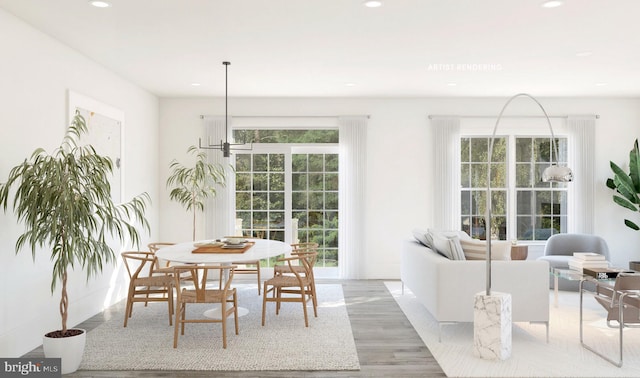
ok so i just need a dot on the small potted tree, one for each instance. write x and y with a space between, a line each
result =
192 185
64 201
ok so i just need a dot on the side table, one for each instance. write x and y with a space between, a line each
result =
519 252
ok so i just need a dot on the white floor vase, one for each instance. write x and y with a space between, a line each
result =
68 349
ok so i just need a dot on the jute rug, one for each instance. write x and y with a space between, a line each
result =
531 355
282 344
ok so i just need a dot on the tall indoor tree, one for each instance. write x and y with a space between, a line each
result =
64 201
192 185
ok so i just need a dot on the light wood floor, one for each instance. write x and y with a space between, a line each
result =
386 342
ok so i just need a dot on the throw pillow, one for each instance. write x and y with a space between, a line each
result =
448 233
477 249
421 236
448 246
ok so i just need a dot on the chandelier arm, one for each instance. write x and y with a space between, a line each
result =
225 146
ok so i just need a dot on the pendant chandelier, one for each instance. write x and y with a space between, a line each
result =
225 146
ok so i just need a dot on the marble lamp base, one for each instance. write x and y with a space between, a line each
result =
492 326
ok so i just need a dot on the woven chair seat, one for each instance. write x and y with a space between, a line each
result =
284 269
208 296
154 281
288 281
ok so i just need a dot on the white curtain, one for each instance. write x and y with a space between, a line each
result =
446 180
581 131
353 133
219 215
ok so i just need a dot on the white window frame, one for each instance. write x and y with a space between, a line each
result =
512 127
510 185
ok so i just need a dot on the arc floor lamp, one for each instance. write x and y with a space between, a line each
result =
492 313
553 173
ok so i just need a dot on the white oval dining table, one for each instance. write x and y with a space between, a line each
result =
183 253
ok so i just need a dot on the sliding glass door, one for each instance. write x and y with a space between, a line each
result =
290 193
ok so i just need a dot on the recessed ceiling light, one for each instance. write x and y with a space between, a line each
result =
195 84
350 84
452 84
582 54
552 3
600 84
100 4
372 4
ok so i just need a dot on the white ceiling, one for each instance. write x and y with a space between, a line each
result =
317 47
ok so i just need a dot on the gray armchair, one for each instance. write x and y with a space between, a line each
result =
560 248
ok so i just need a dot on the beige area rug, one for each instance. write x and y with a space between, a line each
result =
531 355
282 344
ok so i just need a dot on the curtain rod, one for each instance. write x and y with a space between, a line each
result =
293 116
431 116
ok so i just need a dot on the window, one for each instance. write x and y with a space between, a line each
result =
287 188
541 207
315 203
522 206
260 194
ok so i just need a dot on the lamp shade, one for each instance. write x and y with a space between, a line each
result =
557 173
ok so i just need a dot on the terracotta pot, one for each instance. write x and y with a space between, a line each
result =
68 349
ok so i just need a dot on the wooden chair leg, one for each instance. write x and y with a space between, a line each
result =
127 312
235 310
258 273
315 300
223 313
177 325
183 311
278 296
264 302
128 308
170 304
304 307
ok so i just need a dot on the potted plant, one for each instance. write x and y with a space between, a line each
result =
64 201
627 185
627 190
194 184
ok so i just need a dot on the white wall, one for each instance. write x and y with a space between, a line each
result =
35 74
399 194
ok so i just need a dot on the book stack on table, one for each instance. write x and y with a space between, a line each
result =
604 273
587 260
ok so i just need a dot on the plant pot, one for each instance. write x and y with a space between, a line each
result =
634 265
68 349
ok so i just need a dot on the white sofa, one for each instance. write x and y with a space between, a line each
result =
447 287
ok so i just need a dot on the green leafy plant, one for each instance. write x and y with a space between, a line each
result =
193 185
627 185
64 201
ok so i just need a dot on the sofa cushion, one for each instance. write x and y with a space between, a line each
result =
433 231
477 249
447 245
421 236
